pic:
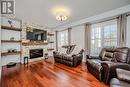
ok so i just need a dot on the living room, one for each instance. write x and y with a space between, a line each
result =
63 43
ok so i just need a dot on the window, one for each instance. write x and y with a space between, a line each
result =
95 39
62 38
103 34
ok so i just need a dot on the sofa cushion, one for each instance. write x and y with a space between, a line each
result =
118 83
107 53
121 54
108 56
102 53
60 55
123 75
67 57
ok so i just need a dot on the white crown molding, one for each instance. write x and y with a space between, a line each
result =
101 16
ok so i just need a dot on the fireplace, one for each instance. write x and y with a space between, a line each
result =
35 53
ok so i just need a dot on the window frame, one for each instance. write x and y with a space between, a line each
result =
63 40
102 38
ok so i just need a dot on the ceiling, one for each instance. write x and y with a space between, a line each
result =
41 11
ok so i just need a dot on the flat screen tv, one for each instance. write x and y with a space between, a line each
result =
37 35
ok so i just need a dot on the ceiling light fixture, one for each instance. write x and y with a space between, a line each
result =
61 13
61 17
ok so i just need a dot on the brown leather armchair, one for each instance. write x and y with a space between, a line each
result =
94 62
121 60
122 80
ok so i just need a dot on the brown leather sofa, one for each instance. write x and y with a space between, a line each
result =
121 60
70 60
122 80
104 66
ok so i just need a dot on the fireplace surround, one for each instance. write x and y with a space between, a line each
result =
35 53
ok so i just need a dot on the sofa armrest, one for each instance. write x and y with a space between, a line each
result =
77 59
55 52
109 69
123 75
92 57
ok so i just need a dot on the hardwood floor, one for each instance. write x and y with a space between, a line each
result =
48 74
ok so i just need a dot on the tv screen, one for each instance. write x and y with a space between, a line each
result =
37 35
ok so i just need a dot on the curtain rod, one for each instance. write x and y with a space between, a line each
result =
104 20
128 14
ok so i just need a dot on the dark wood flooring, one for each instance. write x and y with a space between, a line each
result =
48 74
